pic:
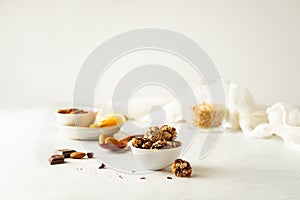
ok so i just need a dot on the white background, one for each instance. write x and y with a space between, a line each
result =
44 43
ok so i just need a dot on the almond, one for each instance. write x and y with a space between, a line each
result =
111 140
102 139
114 141
77 155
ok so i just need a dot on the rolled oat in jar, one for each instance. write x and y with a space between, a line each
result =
207 115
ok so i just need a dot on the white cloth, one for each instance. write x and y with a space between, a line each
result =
283 121
237 98
280 119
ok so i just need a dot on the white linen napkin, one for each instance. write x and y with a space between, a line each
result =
283 121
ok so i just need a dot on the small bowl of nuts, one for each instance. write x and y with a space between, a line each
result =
157 149
81 117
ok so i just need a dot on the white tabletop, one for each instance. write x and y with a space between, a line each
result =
238 168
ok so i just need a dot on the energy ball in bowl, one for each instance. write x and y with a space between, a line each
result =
168 133
159 144
165 132
157 149
142 143
156 159
153 133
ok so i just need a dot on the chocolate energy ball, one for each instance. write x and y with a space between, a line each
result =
168 133
159 144
163 133
182 168
153 133
142 143
156 138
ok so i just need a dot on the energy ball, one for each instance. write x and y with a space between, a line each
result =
168 133
153 133
156 138
159 144
182 168
142 143
165 132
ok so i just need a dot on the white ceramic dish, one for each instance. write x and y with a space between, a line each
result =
86 133
82 120
156 159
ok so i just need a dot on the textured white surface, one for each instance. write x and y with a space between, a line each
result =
238 168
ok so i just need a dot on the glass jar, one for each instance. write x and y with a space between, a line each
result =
207 115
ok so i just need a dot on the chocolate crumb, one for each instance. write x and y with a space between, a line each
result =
90 155
121 177
143 177
102 166
169 177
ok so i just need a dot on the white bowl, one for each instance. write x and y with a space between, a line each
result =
82 120
156 159
86 133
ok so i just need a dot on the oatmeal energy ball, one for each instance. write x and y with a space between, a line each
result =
163 133
159 144
142 143
182 168
168 133
153 133
156 138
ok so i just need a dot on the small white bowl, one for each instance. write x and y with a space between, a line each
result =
156 159
82 120
86 133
